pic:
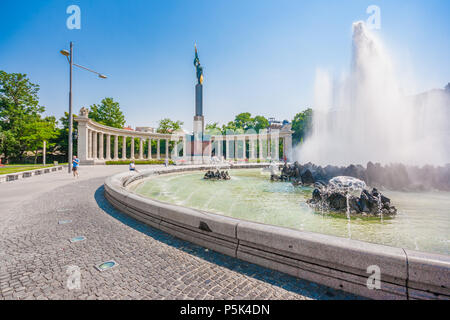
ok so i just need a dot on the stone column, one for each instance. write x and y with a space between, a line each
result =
252 148
227 145
208 151
124 148
94 146
83 141
108 147
141 148
89 147
100 147
158 156
149 148
262 154
218 140
288 145
167 149
116 147
186 152
132 148
277 148
244 149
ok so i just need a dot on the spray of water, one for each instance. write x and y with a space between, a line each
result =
366 118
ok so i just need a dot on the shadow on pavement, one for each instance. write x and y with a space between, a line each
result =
282 280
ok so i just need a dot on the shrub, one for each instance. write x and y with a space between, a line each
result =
118 162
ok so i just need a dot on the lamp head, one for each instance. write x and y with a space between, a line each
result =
65 53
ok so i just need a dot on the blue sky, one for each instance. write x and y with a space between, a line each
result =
258 56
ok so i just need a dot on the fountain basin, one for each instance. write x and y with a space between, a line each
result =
333 261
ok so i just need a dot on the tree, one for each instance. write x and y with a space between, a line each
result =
38 131
301 125
168 126
19 106
260 122
107 113
244 121
60 142
212 127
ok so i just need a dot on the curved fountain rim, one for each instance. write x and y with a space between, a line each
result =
248 240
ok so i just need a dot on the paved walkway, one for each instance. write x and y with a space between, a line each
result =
35 251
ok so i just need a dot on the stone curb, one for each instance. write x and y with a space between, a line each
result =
332 261
27 174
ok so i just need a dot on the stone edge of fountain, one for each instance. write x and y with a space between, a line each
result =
329 260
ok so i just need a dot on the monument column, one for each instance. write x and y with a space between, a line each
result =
100 147
94 146
116 147
83 140
132 148
261 151
158 156
186 149
167 149
124 148
244 149
89 144
289 147
219 146
108 147
149 148
141 148
252 148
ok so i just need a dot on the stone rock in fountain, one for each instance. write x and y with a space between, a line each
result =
211 175
307 178
340 196
298 174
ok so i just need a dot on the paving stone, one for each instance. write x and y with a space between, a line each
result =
152 264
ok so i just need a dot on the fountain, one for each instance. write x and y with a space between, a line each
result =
350 195
216 175
367 118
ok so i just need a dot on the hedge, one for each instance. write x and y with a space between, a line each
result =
138 162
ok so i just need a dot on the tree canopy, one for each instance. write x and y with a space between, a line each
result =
301 125
242 122
108 113
168 126
21 122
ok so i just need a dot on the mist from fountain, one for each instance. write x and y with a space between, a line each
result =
366 118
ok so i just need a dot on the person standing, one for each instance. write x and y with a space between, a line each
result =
75 164
133 166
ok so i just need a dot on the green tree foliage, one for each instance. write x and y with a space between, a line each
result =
242 122
38 131
107 113
260 122
168 126
60 143
301 125
19 107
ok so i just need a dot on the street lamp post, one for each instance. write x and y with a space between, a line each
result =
69 56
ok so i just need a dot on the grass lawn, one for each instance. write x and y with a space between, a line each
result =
14 168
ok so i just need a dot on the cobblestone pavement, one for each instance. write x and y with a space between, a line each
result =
35 251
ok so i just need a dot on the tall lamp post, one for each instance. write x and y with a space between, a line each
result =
69 56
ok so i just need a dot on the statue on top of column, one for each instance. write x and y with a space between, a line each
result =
198 67
84 112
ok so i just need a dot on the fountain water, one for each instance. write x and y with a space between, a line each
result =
366 118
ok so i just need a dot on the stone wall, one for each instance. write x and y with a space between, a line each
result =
332 261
